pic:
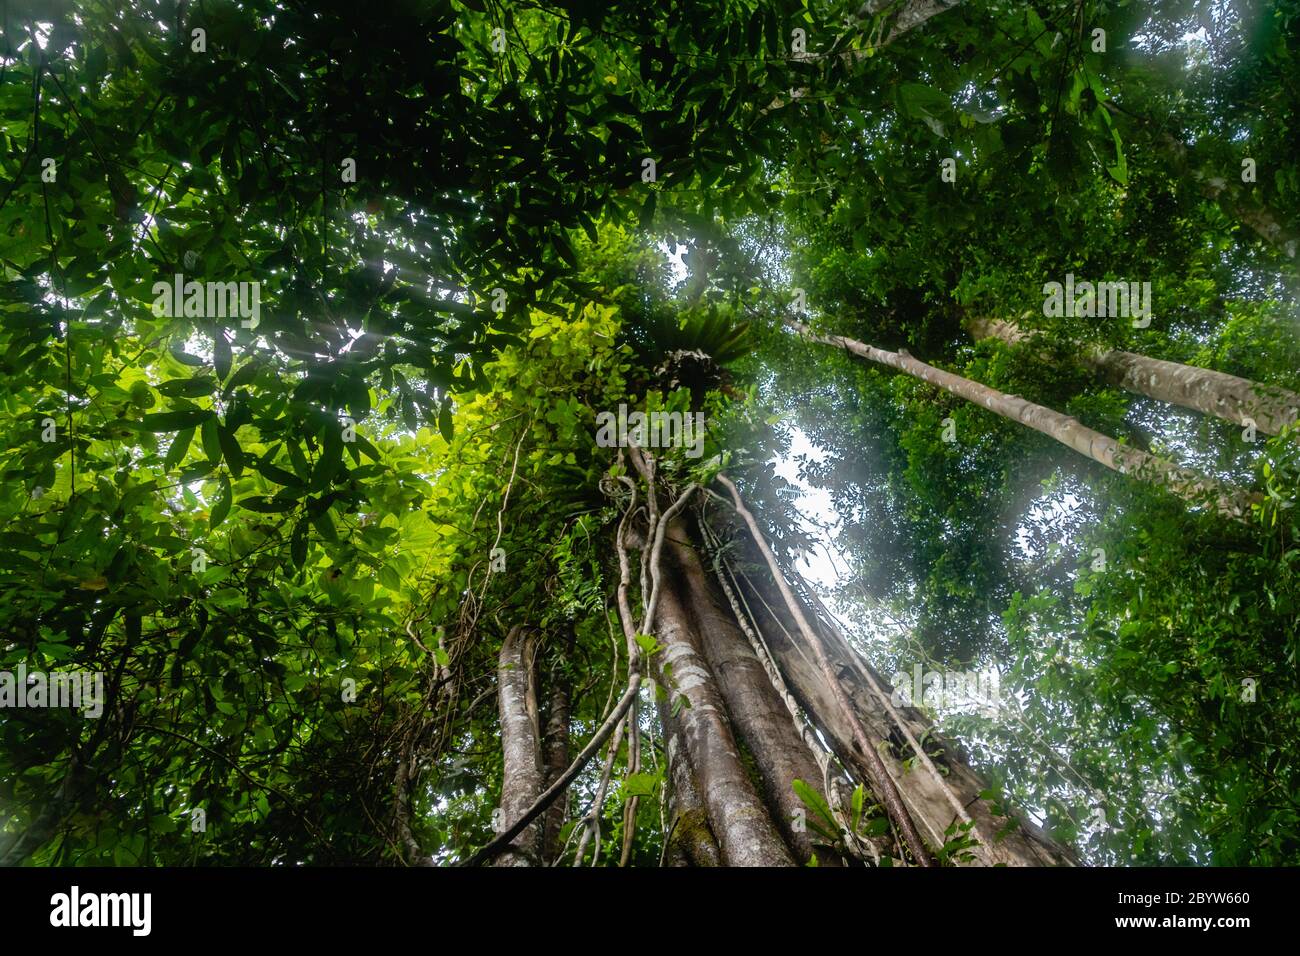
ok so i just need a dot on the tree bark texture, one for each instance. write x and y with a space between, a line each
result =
1203 390
521 776
758 715
1017 843
1125 459
744 829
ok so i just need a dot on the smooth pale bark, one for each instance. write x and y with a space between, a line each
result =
555 758
502 840
912 14
1018 842
1203 390
521 777
758 714
908 15
1070 432
737 817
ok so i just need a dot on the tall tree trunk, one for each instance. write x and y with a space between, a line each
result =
907 16
690 839
737 817
1201 389
910 14
1214 184
930 800
555 755
759 716
521 776
1103 449
15 848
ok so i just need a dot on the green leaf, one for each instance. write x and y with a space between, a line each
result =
298 544
176 421
325 525
247 372
185 358
211 436
196 387
444 421
222 506
230 448
641 785
817 803
221 356
277 474
649 646
180 444
389 577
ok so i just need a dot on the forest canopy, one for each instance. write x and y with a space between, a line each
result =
742 432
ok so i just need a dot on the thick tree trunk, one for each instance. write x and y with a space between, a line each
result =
759 716
1201 389
690 840
1070 432
1016 842
737 817
521 777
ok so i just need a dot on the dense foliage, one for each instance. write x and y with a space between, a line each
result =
292 542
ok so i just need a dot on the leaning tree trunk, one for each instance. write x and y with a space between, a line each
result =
758 714
1215 183
936 795
521 775
906 17
1260 219
1204 390
1103 449
738 819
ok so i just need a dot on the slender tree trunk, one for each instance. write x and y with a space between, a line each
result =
1201 389
1214 184
737 817
555 758
16 848
1236 202
758 714
1103 449
521 777
907 16
910 14
929 801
